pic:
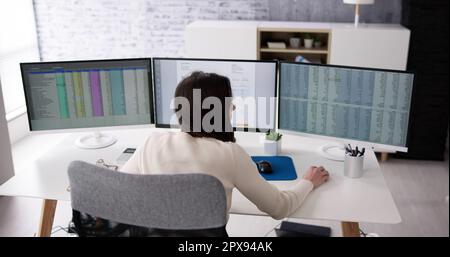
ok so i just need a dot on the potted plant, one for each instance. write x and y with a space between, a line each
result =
272 143
308 39
317 42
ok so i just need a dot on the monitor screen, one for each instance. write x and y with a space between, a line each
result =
86 94
251 82
344 102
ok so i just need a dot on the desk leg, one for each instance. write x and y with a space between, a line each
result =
384 157
47 215
350 229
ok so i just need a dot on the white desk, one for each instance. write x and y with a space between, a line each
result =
342 199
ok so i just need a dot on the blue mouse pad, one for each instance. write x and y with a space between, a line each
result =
282 167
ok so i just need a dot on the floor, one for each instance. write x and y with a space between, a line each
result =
420 190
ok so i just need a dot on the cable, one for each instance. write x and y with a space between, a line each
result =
59 228
364 234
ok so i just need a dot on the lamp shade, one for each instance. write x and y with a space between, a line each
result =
359 1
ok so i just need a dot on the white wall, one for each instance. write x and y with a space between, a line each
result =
6 164
18 43
88 29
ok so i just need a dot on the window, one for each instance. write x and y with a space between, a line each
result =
18 43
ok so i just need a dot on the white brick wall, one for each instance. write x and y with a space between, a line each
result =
94 29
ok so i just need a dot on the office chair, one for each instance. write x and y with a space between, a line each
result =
111 203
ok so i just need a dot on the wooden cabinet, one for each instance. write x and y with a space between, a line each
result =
224 40
369 45
373 46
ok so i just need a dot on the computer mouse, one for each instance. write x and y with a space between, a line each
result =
264 167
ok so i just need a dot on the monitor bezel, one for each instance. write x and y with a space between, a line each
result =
370 144
151 105
163 125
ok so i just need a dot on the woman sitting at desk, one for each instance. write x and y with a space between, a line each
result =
216 153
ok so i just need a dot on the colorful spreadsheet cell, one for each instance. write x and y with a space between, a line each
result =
96 93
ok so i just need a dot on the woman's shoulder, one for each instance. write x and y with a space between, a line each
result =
157 136
162 137
235 147
162 134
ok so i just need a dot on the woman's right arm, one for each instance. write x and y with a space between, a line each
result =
277 203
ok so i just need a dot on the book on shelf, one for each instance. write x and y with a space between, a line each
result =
276 45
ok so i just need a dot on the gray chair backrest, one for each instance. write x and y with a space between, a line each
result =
181 201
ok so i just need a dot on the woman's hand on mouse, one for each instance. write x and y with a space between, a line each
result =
317 175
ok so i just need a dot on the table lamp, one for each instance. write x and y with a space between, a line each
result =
357 3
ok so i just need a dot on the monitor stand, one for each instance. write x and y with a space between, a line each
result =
333 151
95 140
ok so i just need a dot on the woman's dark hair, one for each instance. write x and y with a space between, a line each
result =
210 85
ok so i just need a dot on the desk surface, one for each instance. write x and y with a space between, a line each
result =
366 199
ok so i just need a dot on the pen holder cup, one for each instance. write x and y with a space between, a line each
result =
353 166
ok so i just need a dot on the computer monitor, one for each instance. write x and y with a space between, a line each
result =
250 81
362 106
88 95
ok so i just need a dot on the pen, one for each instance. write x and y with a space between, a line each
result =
362 152
356 151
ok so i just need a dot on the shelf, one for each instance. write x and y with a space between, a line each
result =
301 50
283 34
